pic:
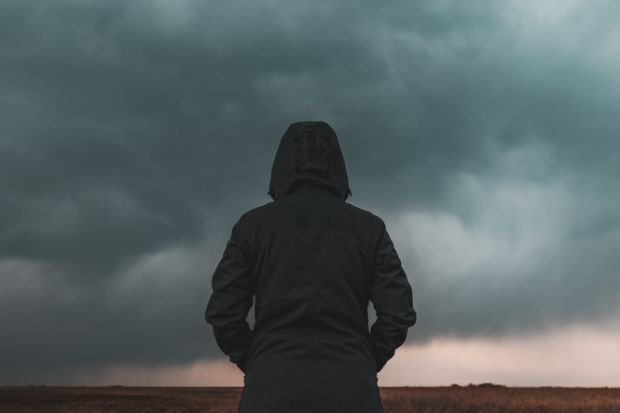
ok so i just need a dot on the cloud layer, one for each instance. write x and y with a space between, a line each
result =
133 135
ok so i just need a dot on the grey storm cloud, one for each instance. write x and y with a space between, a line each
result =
133 135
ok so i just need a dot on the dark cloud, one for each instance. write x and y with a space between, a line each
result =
133 135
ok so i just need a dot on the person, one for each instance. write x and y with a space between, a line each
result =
313 262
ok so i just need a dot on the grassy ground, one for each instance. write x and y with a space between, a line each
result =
478 399
496 399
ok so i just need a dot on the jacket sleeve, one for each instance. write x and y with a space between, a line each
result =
231 299
391 295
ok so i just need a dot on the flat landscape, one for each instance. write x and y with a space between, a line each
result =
479 399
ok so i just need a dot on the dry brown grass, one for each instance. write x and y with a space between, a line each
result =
478 399
119 399
498 399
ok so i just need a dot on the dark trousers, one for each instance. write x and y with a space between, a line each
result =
300 386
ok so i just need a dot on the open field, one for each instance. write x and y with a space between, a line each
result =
482 399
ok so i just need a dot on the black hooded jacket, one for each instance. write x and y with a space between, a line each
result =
312 261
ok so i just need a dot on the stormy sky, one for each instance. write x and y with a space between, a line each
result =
134 134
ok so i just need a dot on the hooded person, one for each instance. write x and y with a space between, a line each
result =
313 262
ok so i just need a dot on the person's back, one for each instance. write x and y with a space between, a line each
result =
313 261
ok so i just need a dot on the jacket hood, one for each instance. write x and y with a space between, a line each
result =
309 151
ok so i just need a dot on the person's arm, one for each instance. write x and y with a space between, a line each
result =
231 299
391 295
